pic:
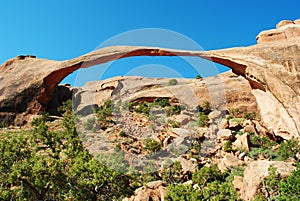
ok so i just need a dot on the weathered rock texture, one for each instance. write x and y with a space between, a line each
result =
155 190
285 30
27 84
257 171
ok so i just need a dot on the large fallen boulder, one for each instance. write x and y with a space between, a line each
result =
258 170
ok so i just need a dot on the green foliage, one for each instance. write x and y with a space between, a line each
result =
151 145
172 173
145 107
122 134
3 124
250 115
234 113
261 146
290 187
212 185
270 185
48 165
207 174
173 123
104 114
238 120
288 149
172 82
202 119
172 110
206 105
162 102
90 123
273 187
114 161
198 77
182 192
261 141
228 146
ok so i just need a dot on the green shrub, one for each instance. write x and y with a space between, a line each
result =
142 107
206 105
172 173
207 174
279 188
212 185
162 102
104 114
122 134
288 149
198 77
151 145
228 146
172 82
173 123
90 123
233 113
250 115
172 110
202 119
49 165
290 187
261 146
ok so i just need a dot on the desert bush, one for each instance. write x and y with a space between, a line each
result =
172 110
206 105
198 77
202 119
288 149
172 82
250 115
173 123
162 102
227 146
54 165
233 113
151 145
212 185
274 187
172 173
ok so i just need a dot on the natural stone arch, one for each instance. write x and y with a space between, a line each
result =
272 69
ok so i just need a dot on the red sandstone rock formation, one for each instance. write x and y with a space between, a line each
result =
272 68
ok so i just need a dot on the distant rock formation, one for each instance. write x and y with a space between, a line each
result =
272 68
285 30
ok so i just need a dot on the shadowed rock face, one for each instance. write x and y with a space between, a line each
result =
272 68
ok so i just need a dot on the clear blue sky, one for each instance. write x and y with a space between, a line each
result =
65 29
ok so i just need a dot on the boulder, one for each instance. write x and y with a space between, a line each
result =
250 129
228 161
155 190
285 30
242 142
237 182
215 114
188 165
223 124
225 134
283 23
256 171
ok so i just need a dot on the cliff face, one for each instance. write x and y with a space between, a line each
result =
272 68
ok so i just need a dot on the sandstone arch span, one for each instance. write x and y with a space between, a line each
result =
272 69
